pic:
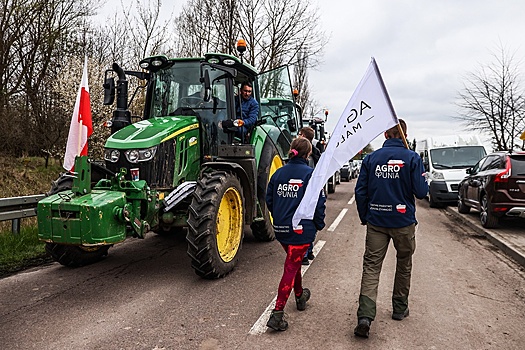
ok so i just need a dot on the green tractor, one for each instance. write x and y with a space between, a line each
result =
176 170
318 125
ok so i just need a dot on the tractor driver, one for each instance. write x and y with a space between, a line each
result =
246 110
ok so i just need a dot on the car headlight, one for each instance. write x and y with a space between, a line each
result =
111 155
437 175
140 155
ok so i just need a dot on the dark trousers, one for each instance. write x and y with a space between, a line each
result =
377 240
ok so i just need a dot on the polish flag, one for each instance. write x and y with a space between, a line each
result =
81 124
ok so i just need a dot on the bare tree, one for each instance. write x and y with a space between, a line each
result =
109 43
300 82
36 36
285 29
493 101
207 25
148 34
277 32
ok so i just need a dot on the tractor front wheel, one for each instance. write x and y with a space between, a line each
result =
215 224
76 256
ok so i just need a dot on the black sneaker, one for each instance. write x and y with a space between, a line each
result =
276 321
363 327
301 301
311 256
399 316
306 261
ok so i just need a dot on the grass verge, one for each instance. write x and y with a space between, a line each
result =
21 251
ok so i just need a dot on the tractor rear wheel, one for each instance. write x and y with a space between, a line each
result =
215 224
262 228
71 255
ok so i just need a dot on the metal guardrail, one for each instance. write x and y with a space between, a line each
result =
17 208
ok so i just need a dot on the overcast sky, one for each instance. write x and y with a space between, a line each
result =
424 50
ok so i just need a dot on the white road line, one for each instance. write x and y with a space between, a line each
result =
259 327
351 200
337 220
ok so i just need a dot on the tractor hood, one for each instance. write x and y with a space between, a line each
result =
151 132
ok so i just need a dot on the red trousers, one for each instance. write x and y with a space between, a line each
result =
291 275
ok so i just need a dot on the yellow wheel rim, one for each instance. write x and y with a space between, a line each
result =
277 163
229 224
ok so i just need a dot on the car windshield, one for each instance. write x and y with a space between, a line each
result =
456 157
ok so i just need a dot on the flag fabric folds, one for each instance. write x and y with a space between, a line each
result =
367 115
81 124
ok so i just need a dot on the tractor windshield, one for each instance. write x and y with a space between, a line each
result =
282 113
178 91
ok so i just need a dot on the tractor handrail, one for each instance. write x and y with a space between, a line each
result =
17 208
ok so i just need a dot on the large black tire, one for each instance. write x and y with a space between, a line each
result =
76 256
262 227
433 203
462 207
487 218
215 224
70 255
63 183
331 185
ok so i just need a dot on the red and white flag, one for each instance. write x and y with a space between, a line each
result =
81 124
367 115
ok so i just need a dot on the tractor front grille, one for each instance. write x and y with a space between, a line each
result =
158 172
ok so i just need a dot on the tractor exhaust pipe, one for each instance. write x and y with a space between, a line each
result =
121 116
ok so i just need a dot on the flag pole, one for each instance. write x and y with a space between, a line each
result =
390 103
402 135
80 138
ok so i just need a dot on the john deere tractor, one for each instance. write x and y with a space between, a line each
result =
176 170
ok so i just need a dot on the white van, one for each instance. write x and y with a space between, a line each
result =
446 159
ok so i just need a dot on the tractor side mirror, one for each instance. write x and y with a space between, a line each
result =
207 87
109 91
292 125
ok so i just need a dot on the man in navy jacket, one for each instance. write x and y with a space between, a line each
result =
246 111
389 180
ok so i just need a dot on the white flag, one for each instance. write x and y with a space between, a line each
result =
81 123
368 114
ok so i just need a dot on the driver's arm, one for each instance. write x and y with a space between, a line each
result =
251 114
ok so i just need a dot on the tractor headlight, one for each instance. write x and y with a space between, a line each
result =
112 155
132 156
140 155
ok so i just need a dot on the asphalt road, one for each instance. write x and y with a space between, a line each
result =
466 294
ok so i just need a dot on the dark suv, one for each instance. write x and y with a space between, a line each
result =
495 186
